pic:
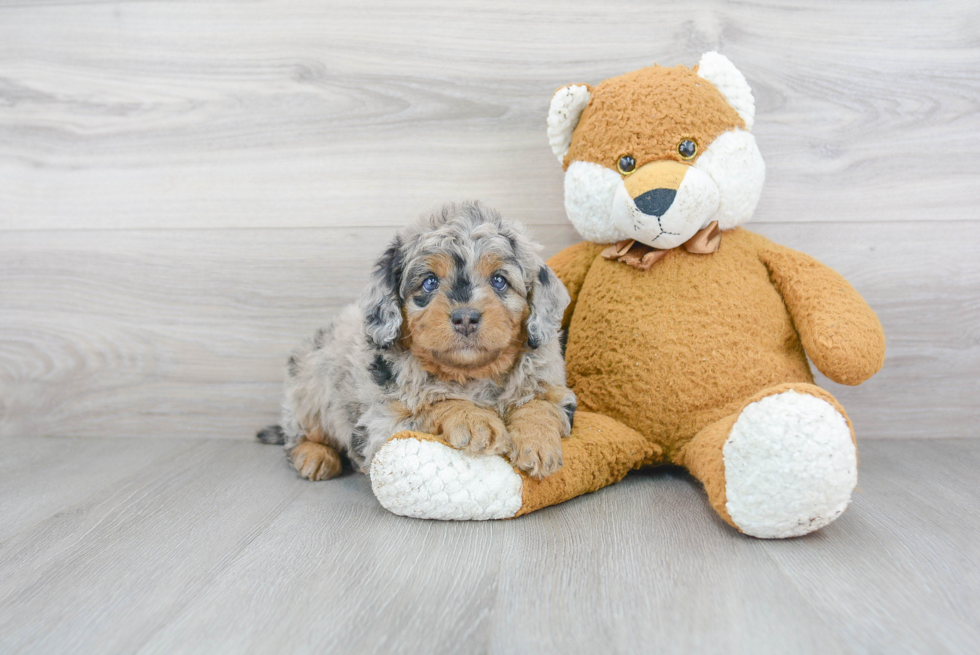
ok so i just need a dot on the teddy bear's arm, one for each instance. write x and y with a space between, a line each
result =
571 266
840 332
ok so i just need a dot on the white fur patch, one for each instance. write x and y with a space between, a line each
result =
724 185
790 466
734 163
692 209
723 75
590 190
567 106
428 480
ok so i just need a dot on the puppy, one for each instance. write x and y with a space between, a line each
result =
457 334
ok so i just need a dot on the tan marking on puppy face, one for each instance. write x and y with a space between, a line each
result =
646 114
428 330
488 265
441 265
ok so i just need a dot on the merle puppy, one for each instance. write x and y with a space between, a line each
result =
457 334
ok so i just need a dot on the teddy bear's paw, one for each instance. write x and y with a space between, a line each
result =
427 479
790 466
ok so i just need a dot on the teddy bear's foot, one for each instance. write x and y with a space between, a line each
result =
784 466
790 466
421 475
418 475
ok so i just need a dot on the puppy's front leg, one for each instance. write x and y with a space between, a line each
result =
537 428
314 458
467 427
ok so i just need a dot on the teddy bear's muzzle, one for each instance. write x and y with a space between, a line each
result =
664 203
655 202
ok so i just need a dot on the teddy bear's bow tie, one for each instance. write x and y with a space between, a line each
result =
642 256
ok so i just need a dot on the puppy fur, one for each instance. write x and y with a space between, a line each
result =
397 360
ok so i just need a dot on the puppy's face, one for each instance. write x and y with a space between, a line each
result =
465 292
464 312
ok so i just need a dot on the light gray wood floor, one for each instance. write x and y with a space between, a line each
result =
187 189
214 546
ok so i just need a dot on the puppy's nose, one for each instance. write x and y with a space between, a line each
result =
465 320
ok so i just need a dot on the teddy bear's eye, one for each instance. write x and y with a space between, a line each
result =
626 165
687 149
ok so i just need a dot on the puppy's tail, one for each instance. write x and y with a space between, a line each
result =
272 434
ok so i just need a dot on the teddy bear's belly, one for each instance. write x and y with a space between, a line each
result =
670 350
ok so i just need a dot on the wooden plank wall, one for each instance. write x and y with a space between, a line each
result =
188 188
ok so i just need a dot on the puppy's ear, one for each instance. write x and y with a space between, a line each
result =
381 302
548 300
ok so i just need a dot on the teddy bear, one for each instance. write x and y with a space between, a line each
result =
687 335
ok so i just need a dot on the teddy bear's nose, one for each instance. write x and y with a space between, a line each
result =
655 202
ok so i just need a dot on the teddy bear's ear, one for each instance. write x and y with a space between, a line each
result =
566 107
722 73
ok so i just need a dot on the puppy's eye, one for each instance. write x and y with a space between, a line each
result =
430 284
498 282
687 149
626 165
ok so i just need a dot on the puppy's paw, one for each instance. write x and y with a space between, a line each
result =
536 452
536 430
315 461
476 430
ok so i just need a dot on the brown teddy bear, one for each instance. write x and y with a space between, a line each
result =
687 335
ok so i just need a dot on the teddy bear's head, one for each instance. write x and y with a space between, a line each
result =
658 154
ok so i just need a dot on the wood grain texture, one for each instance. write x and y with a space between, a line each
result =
188 189
167 334
39 477
219 547
134 551
348 113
